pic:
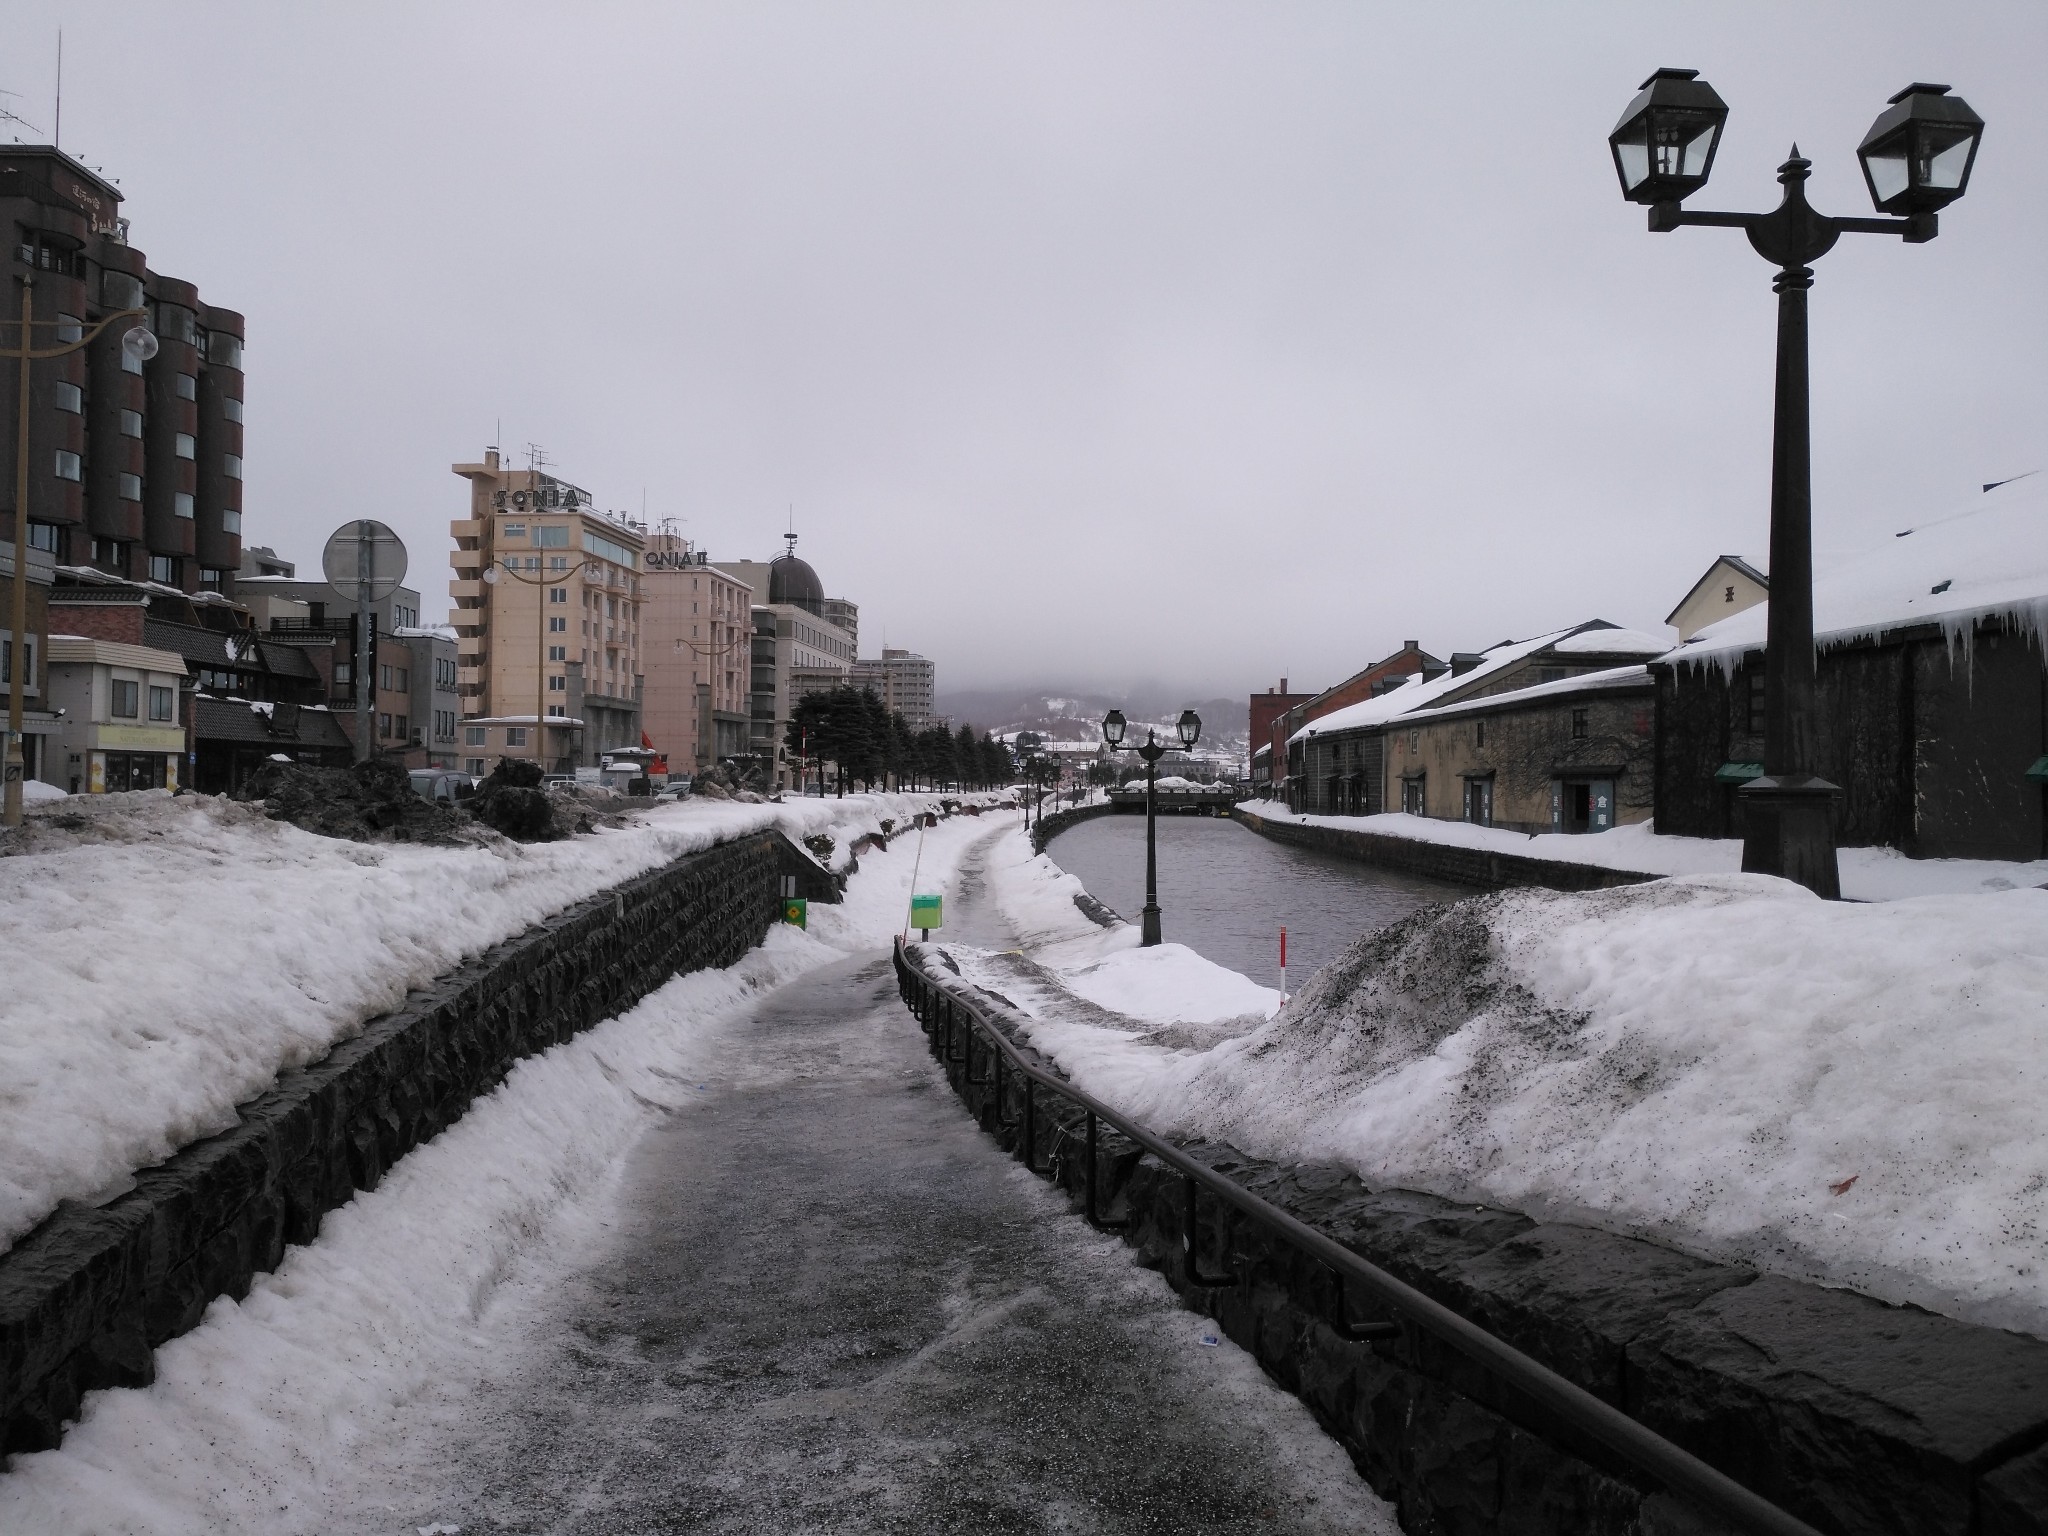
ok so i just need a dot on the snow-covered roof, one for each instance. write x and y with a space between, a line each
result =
1591 638
1613 642
1613 679
1985 558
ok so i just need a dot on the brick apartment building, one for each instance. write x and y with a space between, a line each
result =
135 468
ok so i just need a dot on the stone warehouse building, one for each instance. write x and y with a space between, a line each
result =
1548 734
134 468
1933 694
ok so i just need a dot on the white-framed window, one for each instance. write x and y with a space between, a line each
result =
163 703
124 698
68 465
558 653
28 674
515 735
474 735
69 397
473 766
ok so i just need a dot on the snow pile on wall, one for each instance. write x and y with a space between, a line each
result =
182 952
316 1385
1835 1092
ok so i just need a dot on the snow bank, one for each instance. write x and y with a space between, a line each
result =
1836 1092
1868 874
332 1366
173 962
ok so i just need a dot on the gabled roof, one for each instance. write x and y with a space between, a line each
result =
1594 637
1734 563
1985 557
217 719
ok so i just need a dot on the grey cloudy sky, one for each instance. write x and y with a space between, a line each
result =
1094 344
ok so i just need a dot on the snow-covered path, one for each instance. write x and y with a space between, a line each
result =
734 1261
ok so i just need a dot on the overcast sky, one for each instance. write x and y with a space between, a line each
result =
1094 345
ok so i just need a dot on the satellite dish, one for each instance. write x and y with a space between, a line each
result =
364 548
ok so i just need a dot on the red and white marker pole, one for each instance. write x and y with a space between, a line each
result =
1283 967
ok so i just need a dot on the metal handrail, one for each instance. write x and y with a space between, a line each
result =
1674 1468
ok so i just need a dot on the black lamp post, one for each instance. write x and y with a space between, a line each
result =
1189 729
1916 160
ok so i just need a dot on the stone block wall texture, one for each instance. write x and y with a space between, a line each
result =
1860 1418
1480 867
1045 831
88 1295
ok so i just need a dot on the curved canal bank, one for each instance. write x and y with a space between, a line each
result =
1225 892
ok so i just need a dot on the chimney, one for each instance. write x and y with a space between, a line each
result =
1283 685
1411 645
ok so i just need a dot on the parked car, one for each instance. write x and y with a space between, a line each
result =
442 785
555 783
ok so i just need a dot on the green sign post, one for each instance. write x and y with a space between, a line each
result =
795 909
924 914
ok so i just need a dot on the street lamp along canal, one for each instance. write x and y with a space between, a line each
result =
1916 160
1189 729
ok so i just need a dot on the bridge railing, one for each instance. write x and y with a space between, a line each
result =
952 1016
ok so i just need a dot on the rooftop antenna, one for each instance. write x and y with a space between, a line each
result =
9 115
537 457
791 535
57 136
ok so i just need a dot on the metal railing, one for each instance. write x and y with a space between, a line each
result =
937 1004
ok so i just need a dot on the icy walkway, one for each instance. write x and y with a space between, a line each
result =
734 1261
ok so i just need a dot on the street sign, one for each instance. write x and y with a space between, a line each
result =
796 910
924 912
364 561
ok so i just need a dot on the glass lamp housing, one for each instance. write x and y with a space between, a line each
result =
1190 727
1664 144
1918 154
1113 727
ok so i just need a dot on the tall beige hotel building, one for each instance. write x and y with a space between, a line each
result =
547 605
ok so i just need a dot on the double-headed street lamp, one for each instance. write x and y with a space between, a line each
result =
492 574
1189 730
1916 161
139 343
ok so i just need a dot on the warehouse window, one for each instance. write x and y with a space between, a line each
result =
181 503
69 397
182 445
131 423
68 466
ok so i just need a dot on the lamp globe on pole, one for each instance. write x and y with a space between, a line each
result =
1918 154
1664 144
1113 726
1190 727
139 343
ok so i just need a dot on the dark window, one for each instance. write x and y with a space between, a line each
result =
131 487
400 731
162 702
383 725
131 423
43 536
164 568
188 387
1579 725
182 444
224 350
69 397
125 698
134 770
67 465
1478 733
231 408
120 290
212 579
1756 703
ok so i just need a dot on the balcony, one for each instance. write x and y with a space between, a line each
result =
471 590
471 528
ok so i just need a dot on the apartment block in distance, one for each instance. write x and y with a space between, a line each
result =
696 634
903 680
135 468
547 593
798 649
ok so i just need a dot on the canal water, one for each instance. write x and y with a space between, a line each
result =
1225 891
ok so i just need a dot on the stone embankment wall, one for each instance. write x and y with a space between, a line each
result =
1440 861
1860 1418
86 1297
1052 826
